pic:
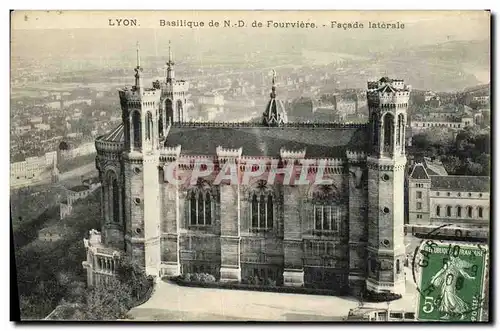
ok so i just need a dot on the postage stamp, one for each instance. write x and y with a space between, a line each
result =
452 281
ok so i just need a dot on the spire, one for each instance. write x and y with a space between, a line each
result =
138 55
273 87
138 69
170 65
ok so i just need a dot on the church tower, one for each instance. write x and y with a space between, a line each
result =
387 103
174 96
140 114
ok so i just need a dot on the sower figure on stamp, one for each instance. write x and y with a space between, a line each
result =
446 278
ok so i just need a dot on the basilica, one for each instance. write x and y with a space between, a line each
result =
347 234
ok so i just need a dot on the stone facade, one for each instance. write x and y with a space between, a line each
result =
345 234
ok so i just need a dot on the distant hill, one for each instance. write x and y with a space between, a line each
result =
447 66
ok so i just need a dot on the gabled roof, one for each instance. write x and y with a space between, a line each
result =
461 183
419 172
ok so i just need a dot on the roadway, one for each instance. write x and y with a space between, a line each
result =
171 302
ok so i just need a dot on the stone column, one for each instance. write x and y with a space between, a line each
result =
230 233
293 274
358 231
172 218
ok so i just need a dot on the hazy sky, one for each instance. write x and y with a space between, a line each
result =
84 34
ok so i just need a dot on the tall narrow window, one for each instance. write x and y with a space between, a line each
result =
388 130
469 211
180 111
116 201
438 210
480 212
400 129
270 214
459 211
208 209
160 124
448 211
262 210
193 210
136 124
375 129
169 111
200 207
255 212
149 125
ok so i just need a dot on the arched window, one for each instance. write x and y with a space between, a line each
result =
136 124
438 210
459 211
469 211
169 110
262 213
180 111
480 212
149 125
448 211
398 267
326 209
200 205
111 198
375 129
388 131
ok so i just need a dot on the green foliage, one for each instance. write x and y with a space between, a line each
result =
198 278
134 277
47 272
370 296
467 154
107 302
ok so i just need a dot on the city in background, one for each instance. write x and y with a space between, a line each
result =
64 96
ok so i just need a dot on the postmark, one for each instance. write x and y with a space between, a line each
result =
451 281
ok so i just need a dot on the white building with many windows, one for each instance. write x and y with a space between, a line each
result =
437 199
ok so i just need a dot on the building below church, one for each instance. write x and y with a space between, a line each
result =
436 198
343 230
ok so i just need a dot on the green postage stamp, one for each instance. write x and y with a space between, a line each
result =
452 281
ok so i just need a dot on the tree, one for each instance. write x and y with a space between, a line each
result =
473 168
134 277
107 302
452 164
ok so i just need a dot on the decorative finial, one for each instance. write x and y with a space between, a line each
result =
273 87
138 55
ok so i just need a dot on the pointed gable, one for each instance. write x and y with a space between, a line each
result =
419 172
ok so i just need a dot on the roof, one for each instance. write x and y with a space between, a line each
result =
318 141
461 183
419 172
116 135
434 167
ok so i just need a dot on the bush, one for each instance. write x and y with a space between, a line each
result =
198 278
370 296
